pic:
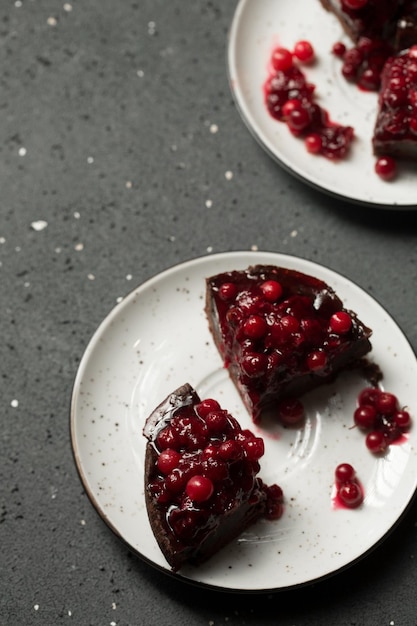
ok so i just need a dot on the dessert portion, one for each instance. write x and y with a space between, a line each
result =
365 18
281 333
202 488
395 130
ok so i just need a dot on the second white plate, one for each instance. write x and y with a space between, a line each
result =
257 28
156 339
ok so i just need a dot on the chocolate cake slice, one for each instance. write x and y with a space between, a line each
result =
281 333
395 132
201 484
365 18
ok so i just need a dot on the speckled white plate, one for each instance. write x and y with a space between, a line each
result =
257 28
157 339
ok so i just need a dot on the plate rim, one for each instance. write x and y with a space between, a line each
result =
258 135
88 350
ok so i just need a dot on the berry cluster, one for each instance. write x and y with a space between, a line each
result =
363 63
348 488
382 419
205 465
290 98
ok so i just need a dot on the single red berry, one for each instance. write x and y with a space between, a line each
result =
386 167
207 406
255 326
376 442
304 51
386 403
316 360
168 460
402 419
293 104
350 494
369 395
199 488
365 416
217 421
344 472
254 364
254 448
341 322
227 291
230 450
339 49
291 411
298 119
313 143
272 290
281 59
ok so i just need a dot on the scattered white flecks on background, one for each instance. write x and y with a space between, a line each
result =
52 21
129 276
36 607
77 215
78 247
113 606
254 247
91 276
119 299
54 493
129 184
294 233
26 284
113 624
67 7
39 225
18 4
90 160
14 403
228 175
151 28
214 128
82 522
2 240
174 147
69 613
22 151
58 250
209 204
171 238
209 248
140 73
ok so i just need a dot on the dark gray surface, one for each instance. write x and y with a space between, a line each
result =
120 166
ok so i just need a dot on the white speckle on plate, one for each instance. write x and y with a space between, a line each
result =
228 175
14 403
22 151
39 225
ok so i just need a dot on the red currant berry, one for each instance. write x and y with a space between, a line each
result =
254 448
207 406
255 326
272 290
304 51
217 421
281 59
402 419
199 488
350 494
291 411
376 442
365 416
386 403
313 143
386 167
344 472
354 4
341 322
298 119
316 360
368 395
230 450
339 49
168 460
254 364
227 291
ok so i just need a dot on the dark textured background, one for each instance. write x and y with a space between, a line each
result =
105 136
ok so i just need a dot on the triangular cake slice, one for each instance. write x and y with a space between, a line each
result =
202 488
281 333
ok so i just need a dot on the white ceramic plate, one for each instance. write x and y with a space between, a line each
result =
157 339
257 28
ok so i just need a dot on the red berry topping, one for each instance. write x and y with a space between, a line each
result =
341 322
272 290
376 442
199 488
227 291
314 143
304 51
168 460
386 167
207 406
291 411
368 395
255 326
402 419
316 360
339 49
281 59
344 472
350 494
365 416
354 5
386 403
